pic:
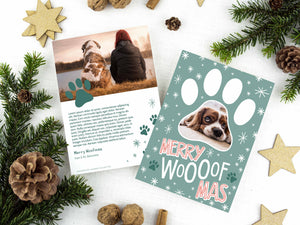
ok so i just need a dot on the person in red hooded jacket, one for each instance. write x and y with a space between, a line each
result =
127 63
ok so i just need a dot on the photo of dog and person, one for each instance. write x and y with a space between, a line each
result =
111 62
209 124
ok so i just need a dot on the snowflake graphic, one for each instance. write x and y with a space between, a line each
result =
210 152
136 143
201 58
151 103
225 207
240 169
254 135
241 158
215 63
165 105
161 118
168 129
178 114
147 156
229 193
211 203
190 69
225 67
248 93
242 137
248 82
177 79
168 188
260 111
156 128
261 92
247 149
175 95
198 76
155 149
143 169
154 181
258 79
185 55
233 187
236 164
179 192
193 188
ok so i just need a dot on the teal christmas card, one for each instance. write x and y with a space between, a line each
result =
205 131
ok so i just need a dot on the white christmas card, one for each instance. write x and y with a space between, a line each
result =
109 97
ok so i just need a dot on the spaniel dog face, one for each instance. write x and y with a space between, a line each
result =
211 120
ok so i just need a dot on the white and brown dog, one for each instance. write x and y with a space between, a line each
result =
94 66
211 120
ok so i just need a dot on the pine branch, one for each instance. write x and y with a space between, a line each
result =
295 35
268 27
237 44
72 191
252 10
292 88
39 100
18 136
32 62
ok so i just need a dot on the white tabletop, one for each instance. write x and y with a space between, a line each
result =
200 27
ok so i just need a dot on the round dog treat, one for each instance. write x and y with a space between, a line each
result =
97 5
119 3
109 215
132 215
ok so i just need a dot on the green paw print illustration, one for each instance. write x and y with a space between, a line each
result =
231 177
82 96
153 165
144 130
153 119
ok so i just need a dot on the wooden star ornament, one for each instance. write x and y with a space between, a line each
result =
269 218
43 22
280 156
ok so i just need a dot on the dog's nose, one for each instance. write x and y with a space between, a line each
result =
217 132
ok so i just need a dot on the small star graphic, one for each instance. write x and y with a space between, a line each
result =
268 218
280 156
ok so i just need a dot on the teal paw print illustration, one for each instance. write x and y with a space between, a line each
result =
231 177
153 119
82 96
153 165
144 130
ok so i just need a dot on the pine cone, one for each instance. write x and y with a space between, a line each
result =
24 96
119 3
33 177
275 4
97 5
288 59
173 23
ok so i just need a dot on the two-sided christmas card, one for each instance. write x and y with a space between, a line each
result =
109 97
205 131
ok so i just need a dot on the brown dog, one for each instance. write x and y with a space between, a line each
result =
95 70
211 120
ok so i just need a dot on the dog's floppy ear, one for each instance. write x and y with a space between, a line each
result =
84 46
197 119
99 46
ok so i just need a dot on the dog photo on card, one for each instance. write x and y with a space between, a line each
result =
109 97
205 131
